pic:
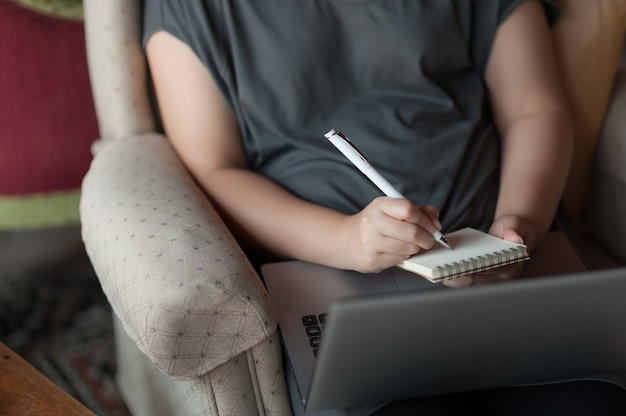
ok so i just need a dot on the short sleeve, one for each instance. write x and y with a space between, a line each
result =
197 24
487 17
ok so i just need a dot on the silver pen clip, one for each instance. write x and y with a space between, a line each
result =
352 145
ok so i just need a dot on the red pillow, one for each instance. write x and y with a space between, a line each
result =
47 117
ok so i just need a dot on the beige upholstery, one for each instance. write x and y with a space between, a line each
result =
196 333
180 287
183 289
117 68
606 201
589 43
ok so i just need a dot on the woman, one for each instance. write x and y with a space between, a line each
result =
457 103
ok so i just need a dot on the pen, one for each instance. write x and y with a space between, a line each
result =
354 155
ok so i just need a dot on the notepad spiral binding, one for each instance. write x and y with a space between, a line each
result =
481 263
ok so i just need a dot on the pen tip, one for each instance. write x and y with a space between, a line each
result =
445 241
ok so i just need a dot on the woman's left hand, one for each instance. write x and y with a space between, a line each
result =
509 228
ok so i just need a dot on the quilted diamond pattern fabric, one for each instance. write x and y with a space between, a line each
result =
118 68
183 292
252 383
173 273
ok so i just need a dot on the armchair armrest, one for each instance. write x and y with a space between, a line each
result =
174 275
117 68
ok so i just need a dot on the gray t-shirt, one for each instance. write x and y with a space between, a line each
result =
402 78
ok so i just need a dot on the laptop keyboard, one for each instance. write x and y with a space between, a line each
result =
314 326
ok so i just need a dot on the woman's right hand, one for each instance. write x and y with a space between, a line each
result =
386 232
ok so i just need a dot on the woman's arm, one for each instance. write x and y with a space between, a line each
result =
264 216
533 120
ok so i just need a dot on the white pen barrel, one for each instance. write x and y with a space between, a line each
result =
382 183
348 150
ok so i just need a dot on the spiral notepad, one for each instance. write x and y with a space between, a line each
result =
473 251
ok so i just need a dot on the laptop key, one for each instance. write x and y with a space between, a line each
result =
309 320
315 342
313 331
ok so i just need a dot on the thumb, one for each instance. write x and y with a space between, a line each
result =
512 236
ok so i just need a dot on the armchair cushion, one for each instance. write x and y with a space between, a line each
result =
174 275
589 44
589 41
604 210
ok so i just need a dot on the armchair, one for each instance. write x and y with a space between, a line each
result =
195 330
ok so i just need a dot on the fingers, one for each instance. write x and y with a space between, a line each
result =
510 228
501 274
407 222
390 230
425 216
385 234
433 214
507 227
512 236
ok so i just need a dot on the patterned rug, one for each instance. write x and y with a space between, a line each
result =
60 322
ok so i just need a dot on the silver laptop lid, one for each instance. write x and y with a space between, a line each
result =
390 347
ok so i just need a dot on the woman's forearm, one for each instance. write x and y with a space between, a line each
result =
536 157
533 121
269 220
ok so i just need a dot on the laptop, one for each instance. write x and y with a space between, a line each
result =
355 339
